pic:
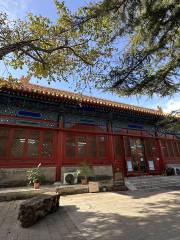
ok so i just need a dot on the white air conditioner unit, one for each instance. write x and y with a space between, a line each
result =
70 178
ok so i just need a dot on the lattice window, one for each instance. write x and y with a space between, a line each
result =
33 144
133 146
175 146
18 144
92 148
4 135
164 149
127 146
102 146
47 145
170 148
178 143
151 147
82 144
118 147
118 125
70 146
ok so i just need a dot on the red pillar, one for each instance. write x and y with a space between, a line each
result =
110 144
161 160
59 150
124 164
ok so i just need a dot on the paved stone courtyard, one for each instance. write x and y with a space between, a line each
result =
136 216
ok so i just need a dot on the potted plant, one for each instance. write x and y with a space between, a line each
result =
170 171
84 172
34 176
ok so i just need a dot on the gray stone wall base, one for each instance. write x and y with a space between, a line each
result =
105 170
18 176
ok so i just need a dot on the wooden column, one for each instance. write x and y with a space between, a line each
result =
161 160
59 150
124 165
110 143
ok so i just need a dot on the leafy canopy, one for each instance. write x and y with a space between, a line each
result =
149 62
50 50
125 46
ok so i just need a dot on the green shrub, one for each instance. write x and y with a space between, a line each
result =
170 171
85 170
34 175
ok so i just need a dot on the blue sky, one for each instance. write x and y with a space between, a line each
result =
19 9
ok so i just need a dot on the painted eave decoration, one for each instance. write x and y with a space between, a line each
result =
24 88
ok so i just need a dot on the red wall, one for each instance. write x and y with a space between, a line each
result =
22 146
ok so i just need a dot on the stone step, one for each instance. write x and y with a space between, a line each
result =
152 177
157 182
155 186
119 188
154 182
118 183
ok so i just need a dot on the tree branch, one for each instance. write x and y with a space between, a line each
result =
14 47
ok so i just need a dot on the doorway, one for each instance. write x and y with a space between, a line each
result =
139 166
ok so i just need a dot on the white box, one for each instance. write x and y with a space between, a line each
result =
93 187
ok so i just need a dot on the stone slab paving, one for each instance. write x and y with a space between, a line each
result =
101 216
130 216
56 226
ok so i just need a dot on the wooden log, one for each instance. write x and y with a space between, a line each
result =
31 210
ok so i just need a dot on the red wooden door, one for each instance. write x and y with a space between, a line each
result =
118 163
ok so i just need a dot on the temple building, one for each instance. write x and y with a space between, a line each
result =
61 129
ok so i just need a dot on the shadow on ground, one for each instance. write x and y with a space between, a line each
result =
148 193
155 221
102 216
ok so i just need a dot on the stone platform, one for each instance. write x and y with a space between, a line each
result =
153 183
72 189
19 193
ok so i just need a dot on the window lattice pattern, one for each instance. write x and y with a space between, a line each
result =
118 147
151 148
176 150
33 144
102 146
19 140
7 109
70 146
86 146
117 126
127 146
20 143
92 147
82 145
4 134
164 148
170 148
47 145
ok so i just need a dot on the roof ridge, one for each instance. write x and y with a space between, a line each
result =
91 97
25 85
